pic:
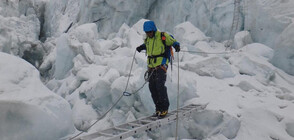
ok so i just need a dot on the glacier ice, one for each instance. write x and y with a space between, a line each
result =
28 109
213 17
284 51
215 66
63 62
241 39
90 44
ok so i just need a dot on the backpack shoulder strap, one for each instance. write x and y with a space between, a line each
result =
163 38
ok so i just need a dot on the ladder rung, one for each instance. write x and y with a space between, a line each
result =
185 109
145 121
121 129
105 134
134 124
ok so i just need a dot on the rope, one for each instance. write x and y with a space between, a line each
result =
125 93
177 116
206 52
113 104
130 71
98 118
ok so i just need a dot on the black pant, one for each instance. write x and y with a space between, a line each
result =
158 89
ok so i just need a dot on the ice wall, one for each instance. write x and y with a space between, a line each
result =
284 50
20 26
108 15
264 19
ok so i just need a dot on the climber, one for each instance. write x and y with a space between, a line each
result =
157 45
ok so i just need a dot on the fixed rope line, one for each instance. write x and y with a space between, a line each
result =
235 23
125 93
177 116
130 71
98 118
113 104
206 52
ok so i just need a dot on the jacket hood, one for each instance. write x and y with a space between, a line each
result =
149 26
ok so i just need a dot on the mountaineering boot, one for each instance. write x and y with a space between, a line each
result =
162 114
156 114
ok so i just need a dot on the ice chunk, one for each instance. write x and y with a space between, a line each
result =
214 66
290 129
284 50
85 33
122 64
187 33
28 109
246 85
208 123
117 42
64 57
123 30
247 66
91 72
88 53
16 32
139 27
202 47
134 39
83 115
111 75
258 49
106 44
241 39
263 124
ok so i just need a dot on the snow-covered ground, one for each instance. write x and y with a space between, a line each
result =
86 70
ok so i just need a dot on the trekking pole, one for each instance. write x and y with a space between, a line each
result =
177 116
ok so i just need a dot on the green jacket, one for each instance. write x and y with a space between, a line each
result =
155 48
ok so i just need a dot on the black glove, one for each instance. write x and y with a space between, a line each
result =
141 47
177 46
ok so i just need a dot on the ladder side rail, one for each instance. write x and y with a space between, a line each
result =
134 131
144 124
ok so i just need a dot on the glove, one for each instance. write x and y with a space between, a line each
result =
141 47
177 46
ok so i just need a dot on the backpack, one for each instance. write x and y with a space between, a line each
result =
169 53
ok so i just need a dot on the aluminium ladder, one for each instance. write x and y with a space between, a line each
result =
235 23
141 125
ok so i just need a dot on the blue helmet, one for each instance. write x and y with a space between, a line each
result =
149 26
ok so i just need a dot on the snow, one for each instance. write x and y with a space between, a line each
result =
85 70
